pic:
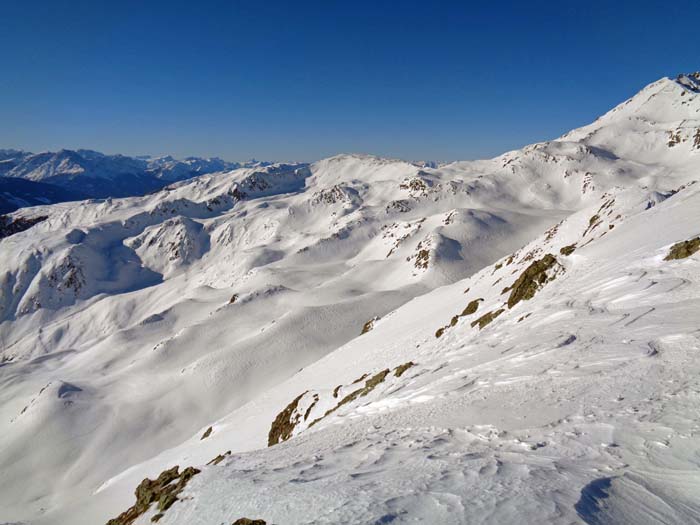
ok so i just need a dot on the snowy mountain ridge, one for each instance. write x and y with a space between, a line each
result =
493 341
82 173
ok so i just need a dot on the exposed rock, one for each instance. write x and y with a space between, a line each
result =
674 137
372 382
414 185
401 206
399 370
471 308
593 222
218 459
369 325
393 232
162 490
248 521
568 250
311 407
552 232
596 219
468 310
683 249
531 280
206 434
296 415
487 318
422 259
361 378
10 226
370 385
286 421
170 245
283 425
333 195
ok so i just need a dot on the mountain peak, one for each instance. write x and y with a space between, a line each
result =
661 120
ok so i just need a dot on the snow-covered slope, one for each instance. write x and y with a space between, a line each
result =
576 405
496 341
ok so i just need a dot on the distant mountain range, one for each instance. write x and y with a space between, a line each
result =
29 179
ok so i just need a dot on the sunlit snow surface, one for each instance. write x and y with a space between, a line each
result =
519 423
578 405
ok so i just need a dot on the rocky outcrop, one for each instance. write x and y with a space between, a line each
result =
369 325
219 458
487 318
163 491
10 226
470 309
567 250
531 280
296 415
399 370
283 425
683 249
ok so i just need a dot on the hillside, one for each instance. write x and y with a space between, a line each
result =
479 342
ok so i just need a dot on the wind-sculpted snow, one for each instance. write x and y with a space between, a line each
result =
561 387
574 405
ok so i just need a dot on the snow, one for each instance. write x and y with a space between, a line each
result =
457 440
74 175
130 326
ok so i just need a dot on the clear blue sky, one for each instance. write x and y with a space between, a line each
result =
302 80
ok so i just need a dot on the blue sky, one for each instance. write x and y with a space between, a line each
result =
304 80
